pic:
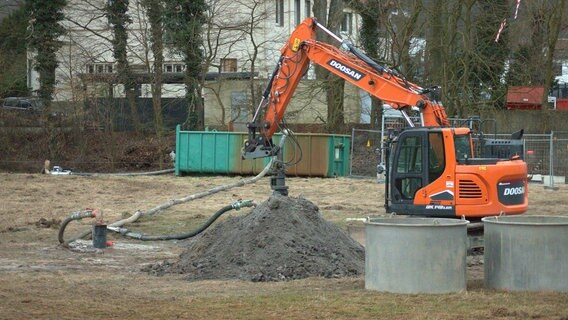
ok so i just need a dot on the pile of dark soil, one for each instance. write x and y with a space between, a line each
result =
284 238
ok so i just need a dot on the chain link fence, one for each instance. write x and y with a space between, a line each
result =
366 152
546 155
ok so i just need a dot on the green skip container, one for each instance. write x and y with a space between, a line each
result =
219 152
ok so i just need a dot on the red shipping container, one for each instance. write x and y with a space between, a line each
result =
525 98
561 104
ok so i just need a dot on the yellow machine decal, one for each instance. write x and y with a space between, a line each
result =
296 44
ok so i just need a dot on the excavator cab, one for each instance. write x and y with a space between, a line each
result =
417 159
433 172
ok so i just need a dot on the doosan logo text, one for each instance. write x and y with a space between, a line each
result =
514 191
352 73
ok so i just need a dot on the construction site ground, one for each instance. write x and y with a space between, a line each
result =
42 280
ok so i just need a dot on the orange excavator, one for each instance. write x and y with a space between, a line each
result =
430 169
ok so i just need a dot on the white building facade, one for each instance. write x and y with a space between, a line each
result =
242 38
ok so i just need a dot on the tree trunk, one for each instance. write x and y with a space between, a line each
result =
333 85
117 13
320 13
131 100
43 37
335 97
154 12
554 25
371 14
196 112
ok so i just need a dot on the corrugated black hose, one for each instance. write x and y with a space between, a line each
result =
135 235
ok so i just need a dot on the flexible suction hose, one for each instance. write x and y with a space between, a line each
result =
123 174
74 216
192 197
135 235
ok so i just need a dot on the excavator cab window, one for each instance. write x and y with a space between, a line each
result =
409 166
436 157
463 147
410 158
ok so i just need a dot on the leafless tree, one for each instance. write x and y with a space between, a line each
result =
546 21
154 12
330 14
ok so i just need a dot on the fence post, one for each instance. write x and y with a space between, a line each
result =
351 153
551 163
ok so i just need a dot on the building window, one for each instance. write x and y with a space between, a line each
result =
308 8
280 12
298 11
229 65
173 67
99 68
347 22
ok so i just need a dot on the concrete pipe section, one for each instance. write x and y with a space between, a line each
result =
415 255
526 253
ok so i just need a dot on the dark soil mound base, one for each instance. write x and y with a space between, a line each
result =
284 238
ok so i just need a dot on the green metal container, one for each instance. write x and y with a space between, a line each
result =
216 152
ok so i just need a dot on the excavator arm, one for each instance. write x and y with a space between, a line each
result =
346 62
